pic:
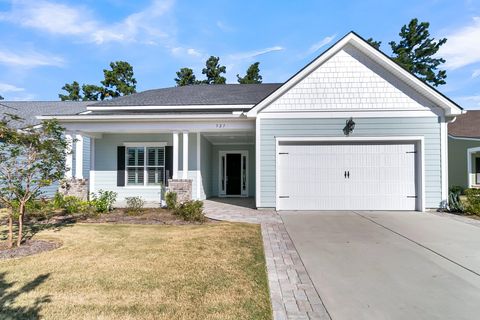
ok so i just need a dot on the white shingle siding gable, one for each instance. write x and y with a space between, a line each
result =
349 80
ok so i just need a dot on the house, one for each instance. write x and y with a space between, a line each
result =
464 150
351 130
29 110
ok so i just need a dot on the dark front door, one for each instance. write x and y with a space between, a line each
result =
234 170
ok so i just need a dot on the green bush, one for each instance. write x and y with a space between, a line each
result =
103 202
171 200
191 211
473 201
58 201
134 205
454 202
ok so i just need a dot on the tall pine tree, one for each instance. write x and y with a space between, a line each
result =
213 71
185 77
415 52
252 76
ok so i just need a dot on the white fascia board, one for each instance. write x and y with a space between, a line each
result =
348 113
450 108
189 107
463 138
169 117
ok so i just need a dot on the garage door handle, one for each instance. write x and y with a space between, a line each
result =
283 197
345 174
348 174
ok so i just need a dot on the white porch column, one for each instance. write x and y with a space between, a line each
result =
175 156
69 159
78 156
185 156
92 165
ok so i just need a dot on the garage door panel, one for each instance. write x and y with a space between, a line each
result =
380 176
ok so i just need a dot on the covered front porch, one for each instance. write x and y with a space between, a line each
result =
206 158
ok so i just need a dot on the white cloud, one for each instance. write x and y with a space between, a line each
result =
469 102
253 54
193 52
224 27
60 19
317 46
476 73
463 46
5 87
29 59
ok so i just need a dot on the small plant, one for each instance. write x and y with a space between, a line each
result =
103 202
191 211
171 200
58 201
473 201
454 202
135 205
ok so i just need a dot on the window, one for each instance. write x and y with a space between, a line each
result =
145 166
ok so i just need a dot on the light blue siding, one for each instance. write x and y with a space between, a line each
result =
106 165
86 157
251 166
428 127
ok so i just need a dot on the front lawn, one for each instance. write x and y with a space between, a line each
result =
107 271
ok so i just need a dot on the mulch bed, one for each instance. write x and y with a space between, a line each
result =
147 216
29 248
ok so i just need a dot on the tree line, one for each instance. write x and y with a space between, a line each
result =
415 52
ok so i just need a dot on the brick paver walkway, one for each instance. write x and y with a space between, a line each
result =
292 292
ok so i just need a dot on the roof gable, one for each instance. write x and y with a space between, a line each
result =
355 76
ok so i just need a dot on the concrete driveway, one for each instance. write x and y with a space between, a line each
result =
390 265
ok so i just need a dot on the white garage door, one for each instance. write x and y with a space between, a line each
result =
337 176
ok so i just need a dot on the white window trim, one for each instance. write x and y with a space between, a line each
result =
143 145
470 170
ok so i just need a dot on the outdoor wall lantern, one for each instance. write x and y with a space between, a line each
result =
349 126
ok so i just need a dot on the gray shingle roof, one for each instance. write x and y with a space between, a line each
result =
28 110
225 94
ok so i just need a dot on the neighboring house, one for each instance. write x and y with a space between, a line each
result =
351 130
464 150
29 110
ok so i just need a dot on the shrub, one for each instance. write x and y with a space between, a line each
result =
191 211
103 202
58 201
473 201
454 202
171 200
134 205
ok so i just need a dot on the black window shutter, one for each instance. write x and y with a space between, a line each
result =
168 163
120 166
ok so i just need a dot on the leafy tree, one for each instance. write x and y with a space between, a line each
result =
119 81
185 77
91 92
73 92
252 76
213 71
375 44
415 52
31 159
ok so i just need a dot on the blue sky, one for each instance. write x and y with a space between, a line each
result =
46 43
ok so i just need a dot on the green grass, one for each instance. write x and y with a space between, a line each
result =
102 271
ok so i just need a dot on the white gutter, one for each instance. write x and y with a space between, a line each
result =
186 107
82 118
